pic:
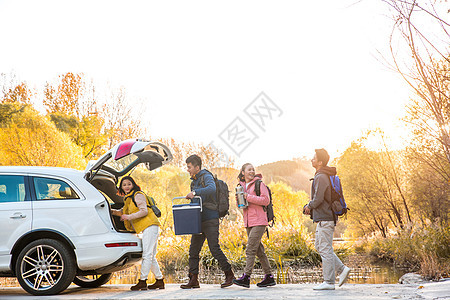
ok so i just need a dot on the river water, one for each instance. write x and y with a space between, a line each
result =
363 270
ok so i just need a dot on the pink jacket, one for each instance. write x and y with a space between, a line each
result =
255 214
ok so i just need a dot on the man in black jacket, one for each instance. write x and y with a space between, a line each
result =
322 214
203 185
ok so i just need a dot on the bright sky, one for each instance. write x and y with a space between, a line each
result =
198 64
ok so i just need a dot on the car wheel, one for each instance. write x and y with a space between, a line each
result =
92 281
45 267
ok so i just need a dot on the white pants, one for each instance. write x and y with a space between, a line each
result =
324 245
149 244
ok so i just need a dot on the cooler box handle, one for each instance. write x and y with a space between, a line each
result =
200 198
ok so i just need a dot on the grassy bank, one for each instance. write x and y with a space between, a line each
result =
420 249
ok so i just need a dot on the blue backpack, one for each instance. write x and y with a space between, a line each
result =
338 204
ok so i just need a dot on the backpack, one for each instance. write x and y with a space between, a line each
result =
338 204
150 204
269 208
222 194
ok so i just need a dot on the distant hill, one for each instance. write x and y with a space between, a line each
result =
295 173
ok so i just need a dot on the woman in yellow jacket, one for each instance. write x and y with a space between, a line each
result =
137 217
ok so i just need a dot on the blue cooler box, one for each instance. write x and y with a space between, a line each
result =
187 218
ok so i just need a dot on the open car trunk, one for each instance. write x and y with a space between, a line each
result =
107 185
104 173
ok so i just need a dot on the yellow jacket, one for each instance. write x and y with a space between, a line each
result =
138 224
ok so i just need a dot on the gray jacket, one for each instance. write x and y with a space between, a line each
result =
321 195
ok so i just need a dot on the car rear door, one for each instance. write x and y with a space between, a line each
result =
126 155
15 214
121 159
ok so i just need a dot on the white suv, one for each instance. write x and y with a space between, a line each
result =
56 225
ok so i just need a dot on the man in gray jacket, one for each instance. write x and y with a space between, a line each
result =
320 209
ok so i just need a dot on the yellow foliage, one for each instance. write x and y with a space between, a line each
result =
30 139
288 205
163 185
65 97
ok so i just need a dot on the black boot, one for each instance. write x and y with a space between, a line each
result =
267 281
193 282
229 277
159 284
243 281
141 285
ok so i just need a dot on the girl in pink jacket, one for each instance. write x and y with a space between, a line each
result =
255 222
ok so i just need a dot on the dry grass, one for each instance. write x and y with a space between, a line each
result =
419 249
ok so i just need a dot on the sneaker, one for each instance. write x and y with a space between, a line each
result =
243 281
324 286
267 281
343 276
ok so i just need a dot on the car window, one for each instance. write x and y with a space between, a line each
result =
53 189
122 163
12 188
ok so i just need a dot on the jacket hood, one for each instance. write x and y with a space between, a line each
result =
330 171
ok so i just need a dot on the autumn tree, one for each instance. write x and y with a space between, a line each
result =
430 122
86 133
72 106
30 139
123 119
20 94
65 98
288 205
429 192
376 186
421 33
14 91
7 112
367 211
95 122
211 156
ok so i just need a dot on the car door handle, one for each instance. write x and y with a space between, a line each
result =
18 216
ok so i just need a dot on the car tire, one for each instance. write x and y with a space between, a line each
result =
45 267
85 282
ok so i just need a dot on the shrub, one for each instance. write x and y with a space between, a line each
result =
419 249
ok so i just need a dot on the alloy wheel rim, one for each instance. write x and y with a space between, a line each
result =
42 267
